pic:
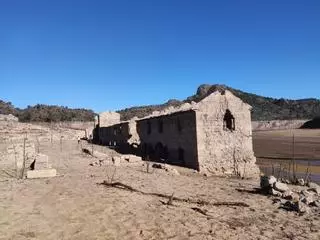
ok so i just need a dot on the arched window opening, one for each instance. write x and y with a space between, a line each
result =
166 153
228 121
150 151
144 150
159 152
160 126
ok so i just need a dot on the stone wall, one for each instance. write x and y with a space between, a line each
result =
199 136
12 156
174 135
222 150
114 135
108 118
277 124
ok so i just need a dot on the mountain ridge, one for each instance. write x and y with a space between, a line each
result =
263 108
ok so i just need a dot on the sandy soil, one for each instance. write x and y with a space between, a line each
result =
74 206
279 143
276 147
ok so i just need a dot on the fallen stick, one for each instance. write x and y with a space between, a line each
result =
9 174
122 186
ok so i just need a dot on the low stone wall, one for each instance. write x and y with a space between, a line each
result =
277 124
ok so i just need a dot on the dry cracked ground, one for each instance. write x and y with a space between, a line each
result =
74 205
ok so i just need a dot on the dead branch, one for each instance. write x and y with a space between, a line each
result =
122 186
203 212
7 173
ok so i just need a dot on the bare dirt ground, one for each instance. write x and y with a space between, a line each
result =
279 143
74 206
276 147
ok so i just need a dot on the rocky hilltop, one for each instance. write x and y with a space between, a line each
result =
263 108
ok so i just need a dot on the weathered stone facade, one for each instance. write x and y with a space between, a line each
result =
213 135
224 135
106 119
116 135
171 138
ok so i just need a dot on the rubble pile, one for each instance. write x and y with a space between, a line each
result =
167 168
301 199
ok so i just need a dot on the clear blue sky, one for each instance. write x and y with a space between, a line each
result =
107 55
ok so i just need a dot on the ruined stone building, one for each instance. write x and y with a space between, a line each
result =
213 135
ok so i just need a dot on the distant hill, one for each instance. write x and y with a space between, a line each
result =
263 108
46 113
7 108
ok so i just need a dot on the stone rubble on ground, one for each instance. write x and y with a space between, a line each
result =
301 201
166 167
118 159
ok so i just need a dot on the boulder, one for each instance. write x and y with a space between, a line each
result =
307 200
158 165
313 185
315 203
301 182
302 207
305 193
172 170
275 192
288 195
315 190
281 187
267 182
289 206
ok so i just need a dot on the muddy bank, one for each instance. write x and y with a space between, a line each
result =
275 148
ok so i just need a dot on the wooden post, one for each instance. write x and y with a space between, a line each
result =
293 159
92 148
24 158
38 145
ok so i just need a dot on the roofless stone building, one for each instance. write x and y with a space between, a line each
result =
213 135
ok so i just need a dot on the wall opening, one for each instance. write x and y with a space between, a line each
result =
181 155
166 153
228 121
179 125
144 150
160 126
149 127
150 151
159 152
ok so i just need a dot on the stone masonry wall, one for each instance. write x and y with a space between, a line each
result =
114 135
222 151
179 131
109 118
